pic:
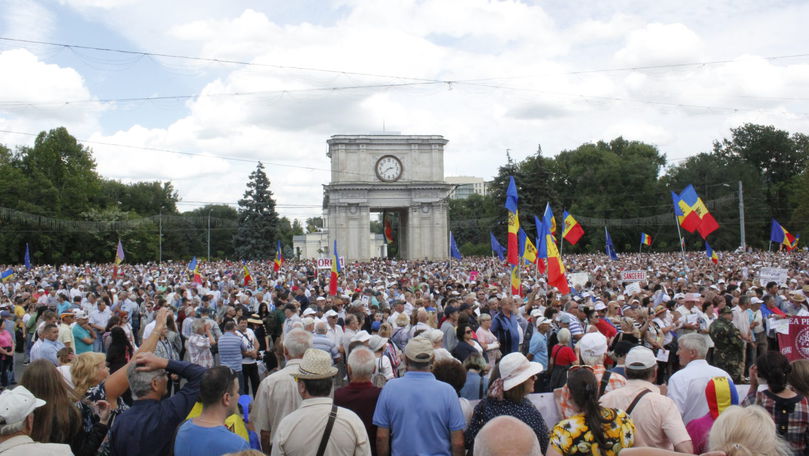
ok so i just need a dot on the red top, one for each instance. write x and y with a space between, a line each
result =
563 355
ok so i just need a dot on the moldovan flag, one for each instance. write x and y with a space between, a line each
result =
528 252
513 254
541 251
279 257
556 269
197 275
780 235
549 220
516 286
645 239
573 230
247 276
710 253
335 270
497 249
119 257
690 204
193 264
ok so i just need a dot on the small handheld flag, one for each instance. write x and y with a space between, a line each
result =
711 254
247 276
197 275
645 239
573 230
453 248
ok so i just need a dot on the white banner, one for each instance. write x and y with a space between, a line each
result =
632 289
633 276
325 263
579 279
777 275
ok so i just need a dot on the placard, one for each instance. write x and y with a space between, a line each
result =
633 276
777 275
632 289
795 345
325 263
578 279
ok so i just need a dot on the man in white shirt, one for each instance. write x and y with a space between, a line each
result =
687 386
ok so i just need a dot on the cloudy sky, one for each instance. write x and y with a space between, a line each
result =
488 75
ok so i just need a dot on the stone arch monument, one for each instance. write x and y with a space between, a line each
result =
392 173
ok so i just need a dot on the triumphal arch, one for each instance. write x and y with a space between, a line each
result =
399 175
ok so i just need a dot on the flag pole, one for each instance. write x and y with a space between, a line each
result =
680 236
640 247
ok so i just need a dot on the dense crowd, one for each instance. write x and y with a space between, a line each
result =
408 358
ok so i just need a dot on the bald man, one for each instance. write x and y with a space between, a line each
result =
506 436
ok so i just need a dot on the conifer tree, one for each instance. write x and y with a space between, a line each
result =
258 220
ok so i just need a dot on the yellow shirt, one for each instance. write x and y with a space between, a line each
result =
234 422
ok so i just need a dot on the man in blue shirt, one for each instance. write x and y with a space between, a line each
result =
538 347
206 435
231 351
504 327
148 427
423 414
49 345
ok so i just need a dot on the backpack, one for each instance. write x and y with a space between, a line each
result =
379 379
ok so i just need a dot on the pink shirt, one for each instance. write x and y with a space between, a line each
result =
5 338
699 429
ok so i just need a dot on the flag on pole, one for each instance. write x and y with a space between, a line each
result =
7 274
27 257
279 257
780 235
690 204
687 218
645 239
387 228
513 222
609 247
247 276
794 243
192 265
335 270
497 249
556 269
549 220
516 285
528 252
711 254
453 248
197 275
119 257
573 230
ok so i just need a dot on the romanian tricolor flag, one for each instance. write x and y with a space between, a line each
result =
279 257
197 275
387 228
7 274
573 230
247 276
694 213
119 257
513 254
710 253
645 239
335 270
780 235
556 269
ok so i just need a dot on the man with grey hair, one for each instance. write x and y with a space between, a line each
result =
277 394
148 427
360 395
687 386
322 341
506 436
17 422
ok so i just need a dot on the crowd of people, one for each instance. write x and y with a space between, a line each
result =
408 358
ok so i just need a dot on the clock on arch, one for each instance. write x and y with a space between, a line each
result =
388 168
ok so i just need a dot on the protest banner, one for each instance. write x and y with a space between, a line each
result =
795 345
632 289
578 279
633 276
325 263
776 275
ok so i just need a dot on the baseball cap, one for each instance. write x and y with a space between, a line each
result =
600 306
17 404
330 313
593 344
419 349
640 358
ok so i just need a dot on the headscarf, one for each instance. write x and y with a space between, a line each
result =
720 392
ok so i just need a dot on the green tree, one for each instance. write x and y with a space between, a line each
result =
258 221
313 224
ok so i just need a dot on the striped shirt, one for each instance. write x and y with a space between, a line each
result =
230 351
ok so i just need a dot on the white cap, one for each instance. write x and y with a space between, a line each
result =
17 404
536 313
640 358
309 311
593 344
330 313
543 321
361 336
600 306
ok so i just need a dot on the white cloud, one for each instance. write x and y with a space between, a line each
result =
657 44
26 19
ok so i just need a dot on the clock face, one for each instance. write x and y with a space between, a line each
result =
388 168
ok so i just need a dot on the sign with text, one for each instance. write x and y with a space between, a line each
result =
795 345
633 276
325 263
777 275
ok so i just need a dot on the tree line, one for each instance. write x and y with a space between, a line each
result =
56 180
629 180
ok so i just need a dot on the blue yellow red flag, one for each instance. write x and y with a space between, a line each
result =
573 230
645 239
711 254
513 255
